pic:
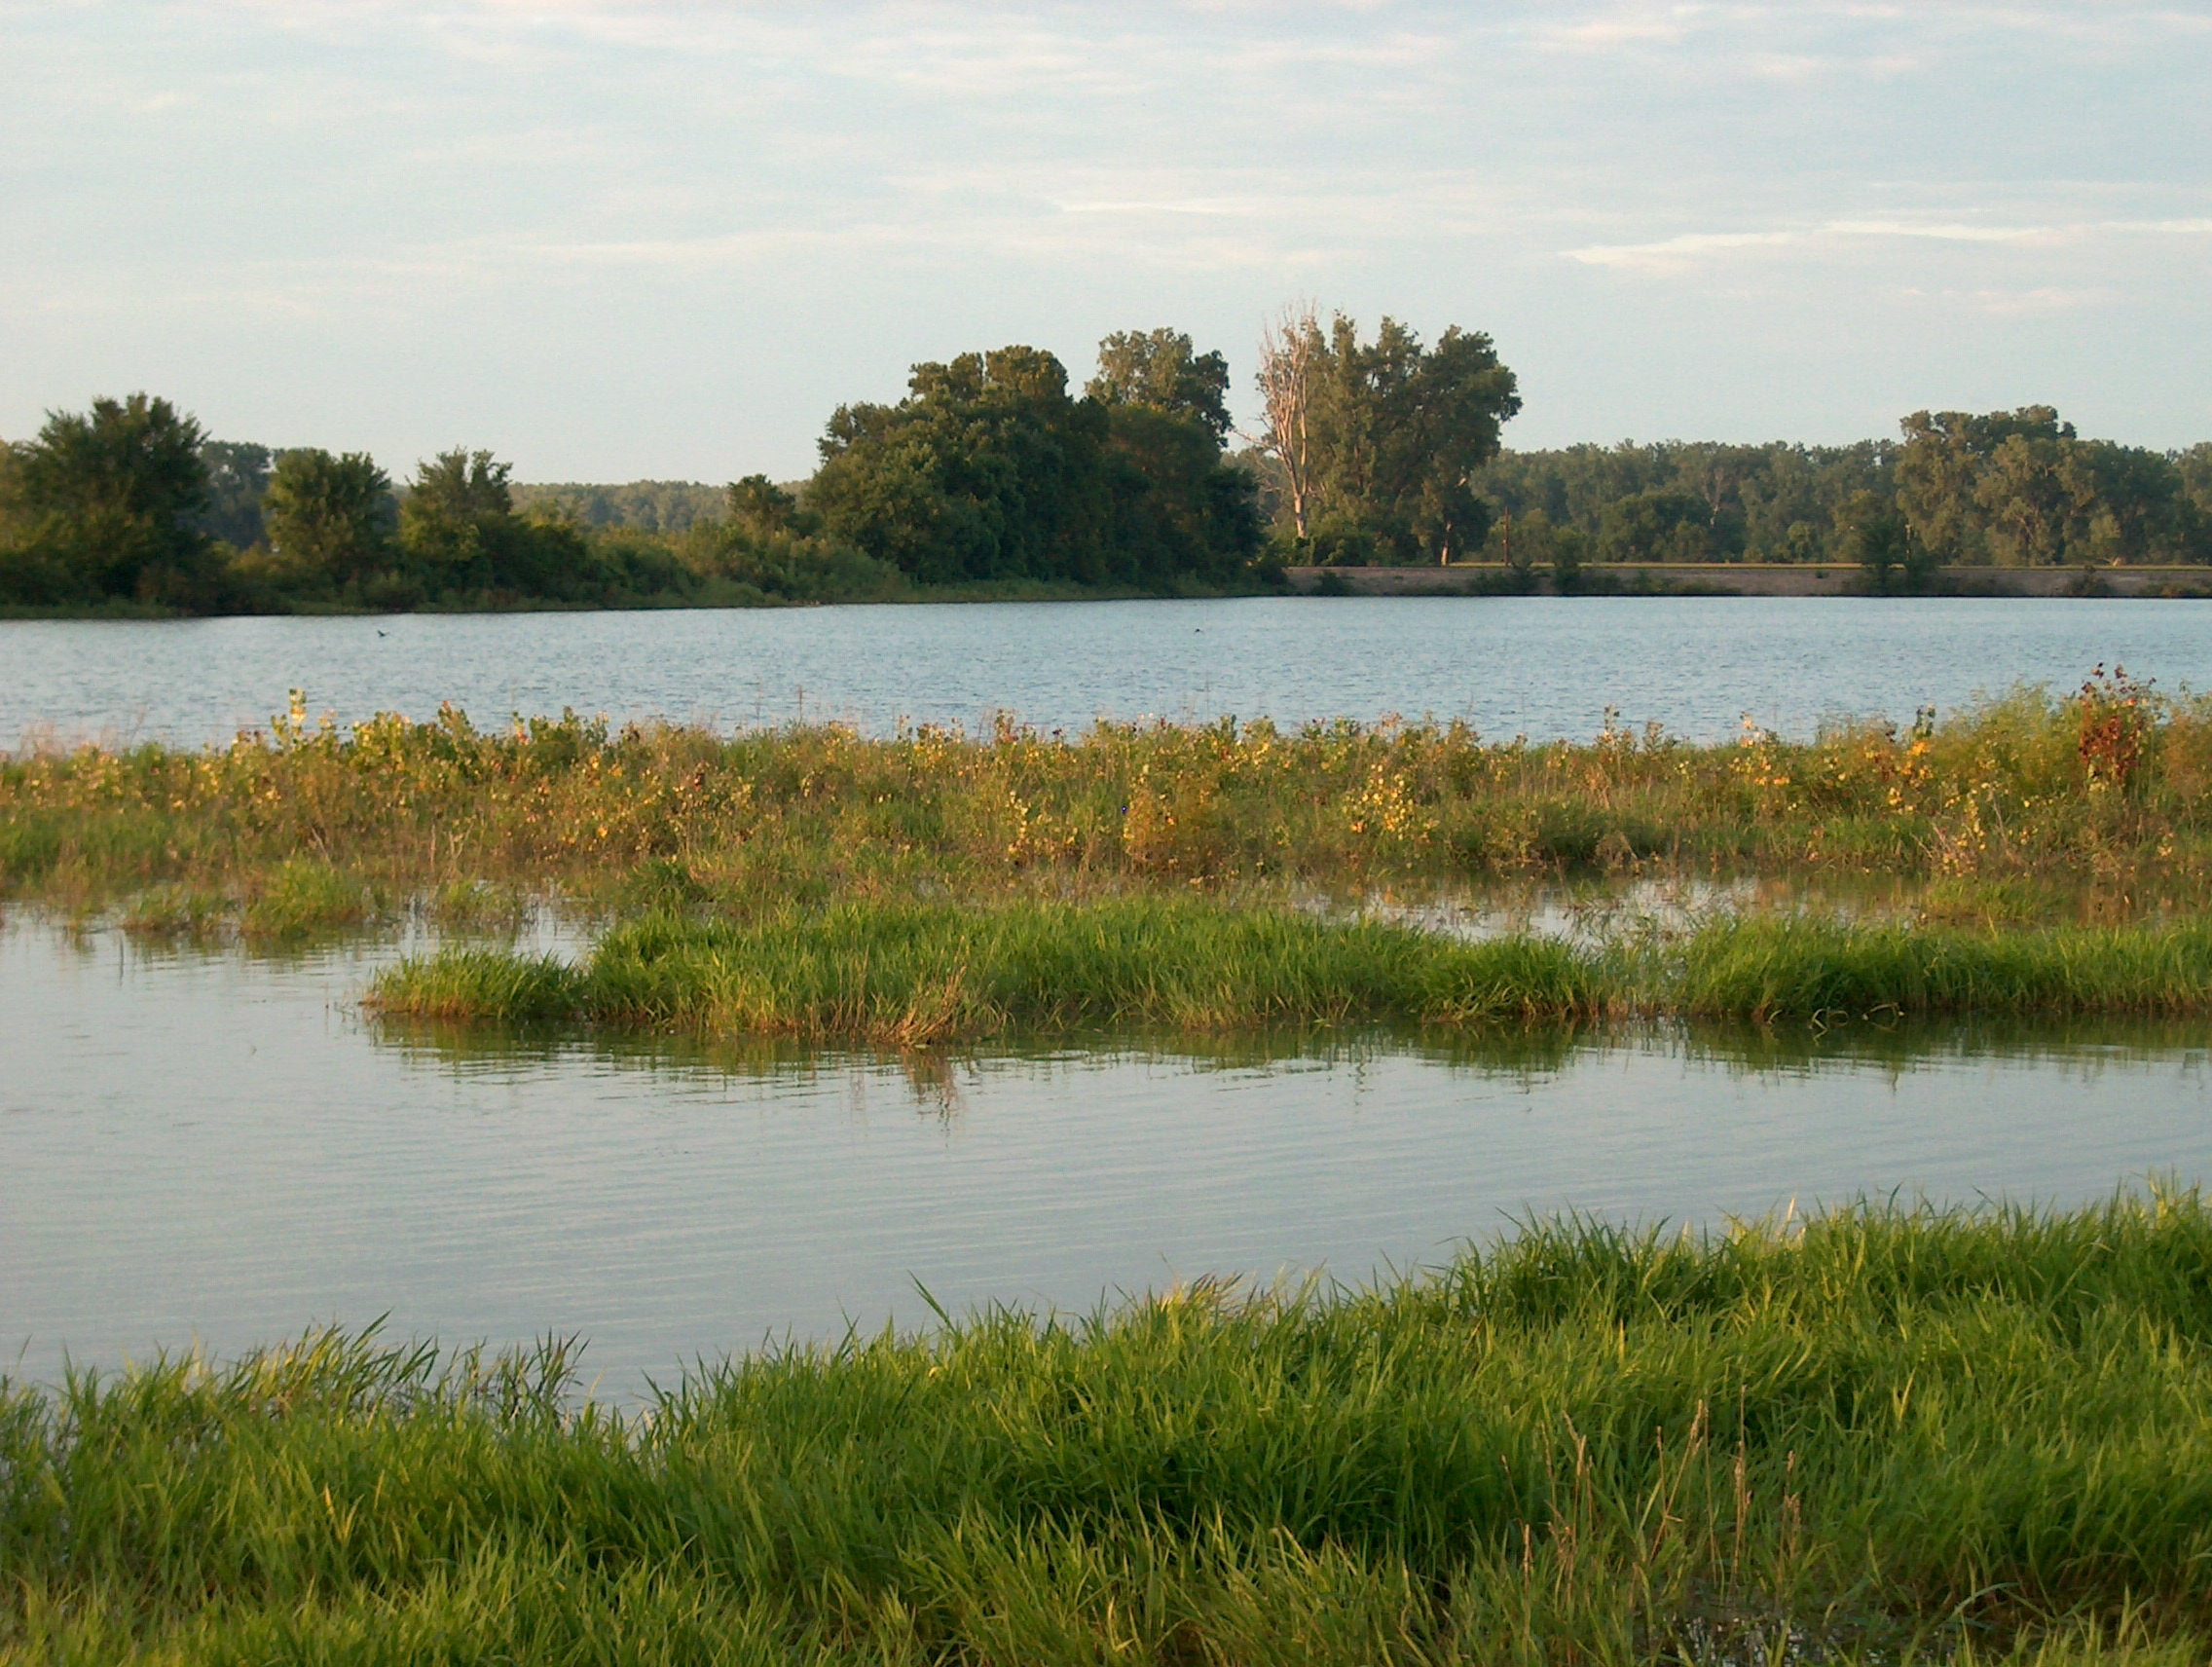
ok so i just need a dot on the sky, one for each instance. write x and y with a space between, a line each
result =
627 239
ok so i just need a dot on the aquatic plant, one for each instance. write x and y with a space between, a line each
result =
906 973
1763 970
1877 1435
2097 802
299 897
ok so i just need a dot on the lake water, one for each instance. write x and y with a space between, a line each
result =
222 1148
1540 666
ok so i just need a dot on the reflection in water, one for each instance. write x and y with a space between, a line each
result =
1528 1056
224 1148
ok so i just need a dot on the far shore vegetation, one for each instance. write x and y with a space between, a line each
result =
995 478
1880 1434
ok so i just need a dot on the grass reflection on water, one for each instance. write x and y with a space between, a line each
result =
1515 1054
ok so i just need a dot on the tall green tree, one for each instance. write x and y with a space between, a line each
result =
1160 370
1873 533
990 469
985 470
1664 525
462 536
1179 508
103 504
2125 503
759 507
332 514
2026 512
1941 478
238 477
2194 468
1376 443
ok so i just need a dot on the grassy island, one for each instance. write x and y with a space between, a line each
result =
1879 1435
911 975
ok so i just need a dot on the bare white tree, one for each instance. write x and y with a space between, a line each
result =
1290 351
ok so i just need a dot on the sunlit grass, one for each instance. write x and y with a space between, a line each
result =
910 974
301 899
1877 1435
2028 808
906 973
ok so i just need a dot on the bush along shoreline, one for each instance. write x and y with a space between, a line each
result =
1882 1434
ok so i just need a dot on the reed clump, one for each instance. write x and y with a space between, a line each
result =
2094 802
1881 1434
908 974
1809 970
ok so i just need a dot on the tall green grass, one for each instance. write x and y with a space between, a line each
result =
921 973
1877 1435
1763 970
904 973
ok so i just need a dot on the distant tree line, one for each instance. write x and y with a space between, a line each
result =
992 473
2006 489
643 505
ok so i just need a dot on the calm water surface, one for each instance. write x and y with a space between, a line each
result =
222 1149
1544 667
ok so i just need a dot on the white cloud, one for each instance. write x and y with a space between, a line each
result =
1689 248
429 180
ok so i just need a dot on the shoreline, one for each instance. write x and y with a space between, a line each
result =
1745 579
1876 1431
1458 579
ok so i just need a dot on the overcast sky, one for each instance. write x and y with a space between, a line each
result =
660 239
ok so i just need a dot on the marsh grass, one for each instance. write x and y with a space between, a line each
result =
914 975
477 906
1821 971
910 974
1879 1434
177 911
300 899
2092 807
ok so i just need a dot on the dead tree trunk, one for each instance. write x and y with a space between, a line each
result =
1290 348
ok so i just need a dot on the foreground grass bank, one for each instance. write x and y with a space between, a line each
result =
1877 1435
906 973
2095 806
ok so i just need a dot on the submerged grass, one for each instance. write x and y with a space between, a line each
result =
2093 806
910 974
1877 1435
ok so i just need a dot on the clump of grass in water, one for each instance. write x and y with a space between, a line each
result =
176 910
476 906
299 899
910 974
1881 1434
1764 970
